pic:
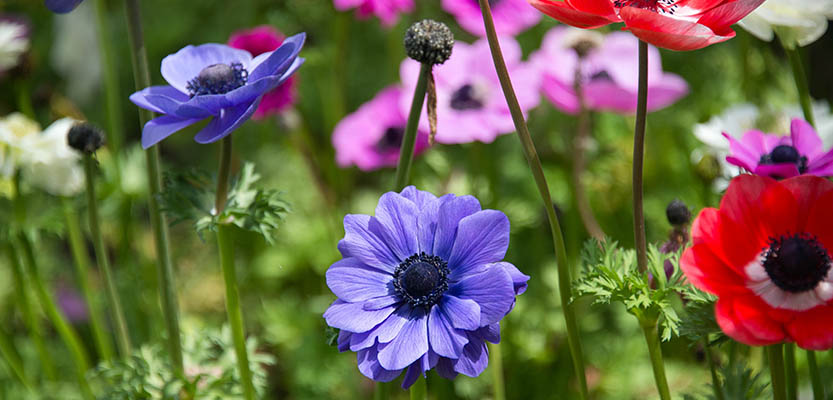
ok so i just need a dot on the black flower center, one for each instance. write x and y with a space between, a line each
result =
218 79
796 263
467 98
785 154
421 279
601 76
657 6
392 139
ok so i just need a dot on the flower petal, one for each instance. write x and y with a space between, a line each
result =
481 238
161 127
352 317
226 122
278 61
395 223
491 288
475 358
732 325
352 281
670 33
61 6
519 279
448 219
445 340
187 63
461 313
368 360
563 12
361 243
409 345
721 17
811 329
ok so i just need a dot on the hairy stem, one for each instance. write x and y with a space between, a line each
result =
649 329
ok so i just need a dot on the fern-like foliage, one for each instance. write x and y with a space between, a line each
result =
738 383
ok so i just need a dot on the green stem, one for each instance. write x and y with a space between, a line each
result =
380 391
801 83
167 284
419 390
496 363
791 374
82 269
65 331
776 370
716 385
112 95
564 280
640 240
223 176
815 376
582 135
649 329
406 152
7 349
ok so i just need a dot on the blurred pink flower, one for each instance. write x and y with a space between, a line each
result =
609 71
370 137
259 40
511 16
470 102
387 10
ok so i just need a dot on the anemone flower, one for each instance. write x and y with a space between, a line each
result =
782 156
259 40
470 103
672 24
799 21
511 16
386 10
765 253
62 6
214 81
608 65
422 285
14 41
371 137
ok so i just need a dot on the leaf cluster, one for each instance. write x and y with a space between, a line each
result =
738 383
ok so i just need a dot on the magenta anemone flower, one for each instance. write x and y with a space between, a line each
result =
470 103
370 138
259 40
386 10
609 71
511 16
781 157
214 81
422 284
61 6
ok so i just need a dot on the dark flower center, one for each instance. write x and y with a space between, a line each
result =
467 98
218 79
601 76
421 279
657 6
796 263
785 154
392 139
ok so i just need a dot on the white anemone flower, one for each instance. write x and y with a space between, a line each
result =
14 41
796 21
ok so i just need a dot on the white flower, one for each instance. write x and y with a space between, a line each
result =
16 132
14 41
796 21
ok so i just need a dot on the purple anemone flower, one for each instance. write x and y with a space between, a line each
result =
62 6
511 16
422 285
387 10
371 137
214 80
609 71
470 102
782 157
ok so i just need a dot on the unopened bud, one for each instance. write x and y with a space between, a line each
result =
678 213
429 42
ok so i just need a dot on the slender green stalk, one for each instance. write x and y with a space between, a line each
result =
112 93
13 361
82 269
564 280
496 364
776 371
165 272
65 331
380 391
649 328
406 152
640 240
815 376
716 385
419 390
801 83
223 176
579 162
791 374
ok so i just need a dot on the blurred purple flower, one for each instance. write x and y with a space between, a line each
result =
214 80
370 138
511 16
259 40
609 71
470 102
71 303
422 285
782 157
387 10
62 6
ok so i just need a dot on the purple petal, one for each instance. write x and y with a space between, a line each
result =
409 345
353 318
519 279
140 98
805 139
450 213
168 100
427 223
489 333
369 366
475 358
445 368
462 313
384 332
445 340
344 340
227 121
481 238
395 223
821 165
361 243
352 281
492 289
159 128
747 152
379 303
780 171
187 63
420 197
61 6
279 60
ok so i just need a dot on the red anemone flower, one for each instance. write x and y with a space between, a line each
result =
766 255
672 24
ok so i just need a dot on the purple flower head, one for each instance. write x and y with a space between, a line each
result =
214 80
609 71
387 10
259 40
782 157
371 137
62 6
71 303
422 285
511 16
470 103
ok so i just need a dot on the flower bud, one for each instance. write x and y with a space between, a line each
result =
678 213
429 42
85 137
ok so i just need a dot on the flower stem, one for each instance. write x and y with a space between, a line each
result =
406 152
419 390
65 331
496 363
14 363
791 374
564 280
640 240
815 376
649 328
776 370
112 95
226 247
579 163
801 83
122 337
718 388
380 391
82 269
167 292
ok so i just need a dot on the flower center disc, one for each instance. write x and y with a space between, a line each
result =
392 139
466 98
785 154
218 79
796 263
658 6
421 279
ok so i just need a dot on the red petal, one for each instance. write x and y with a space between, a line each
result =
733 326
820 218
720 17
813 329
756 317
570 16
744 228
667 32
708 272
602 8
808 191
705 226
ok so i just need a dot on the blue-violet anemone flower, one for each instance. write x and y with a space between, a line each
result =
214 80
422 285
61 6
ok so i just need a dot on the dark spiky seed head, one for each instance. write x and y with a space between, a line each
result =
678 213
85 137
429 42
